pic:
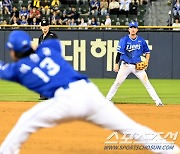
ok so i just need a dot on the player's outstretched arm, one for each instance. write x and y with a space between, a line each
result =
7 71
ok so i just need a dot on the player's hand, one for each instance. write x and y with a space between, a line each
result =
146 64
116 68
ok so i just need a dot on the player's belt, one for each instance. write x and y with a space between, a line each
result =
67 86
128 63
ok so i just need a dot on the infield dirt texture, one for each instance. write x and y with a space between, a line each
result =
84 138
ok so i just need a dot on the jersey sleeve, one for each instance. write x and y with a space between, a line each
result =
145 47
121 46
8 71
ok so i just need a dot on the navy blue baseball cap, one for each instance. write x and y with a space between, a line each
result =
133 24
44 22
19 41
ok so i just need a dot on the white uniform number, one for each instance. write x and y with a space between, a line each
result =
50 65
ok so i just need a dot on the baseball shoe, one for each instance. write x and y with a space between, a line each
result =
159 104
109 100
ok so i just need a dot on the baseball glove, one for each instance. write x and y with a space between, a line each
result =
141 65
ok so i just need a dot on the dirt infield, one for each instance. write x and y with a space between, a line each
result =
83 138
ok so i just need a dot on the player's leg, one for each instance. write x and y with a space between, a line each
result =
43 115
81 100
67 104
123 72
144 79
107 115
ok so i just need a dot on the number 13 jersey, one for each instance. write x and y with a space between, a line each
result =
44 71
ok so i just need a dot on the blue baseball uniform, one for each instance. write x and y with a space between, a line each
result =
44 71
131 50
72 96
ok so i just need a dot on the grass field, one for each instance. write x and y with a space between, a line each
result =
131 91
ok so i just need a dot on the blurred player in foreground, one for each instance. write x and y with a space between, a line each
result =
131 49
72 95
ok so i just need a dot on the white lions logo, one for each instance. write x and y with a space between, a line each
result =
131 47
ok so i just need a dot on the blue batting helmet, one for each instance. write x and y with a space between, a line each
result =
19 41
